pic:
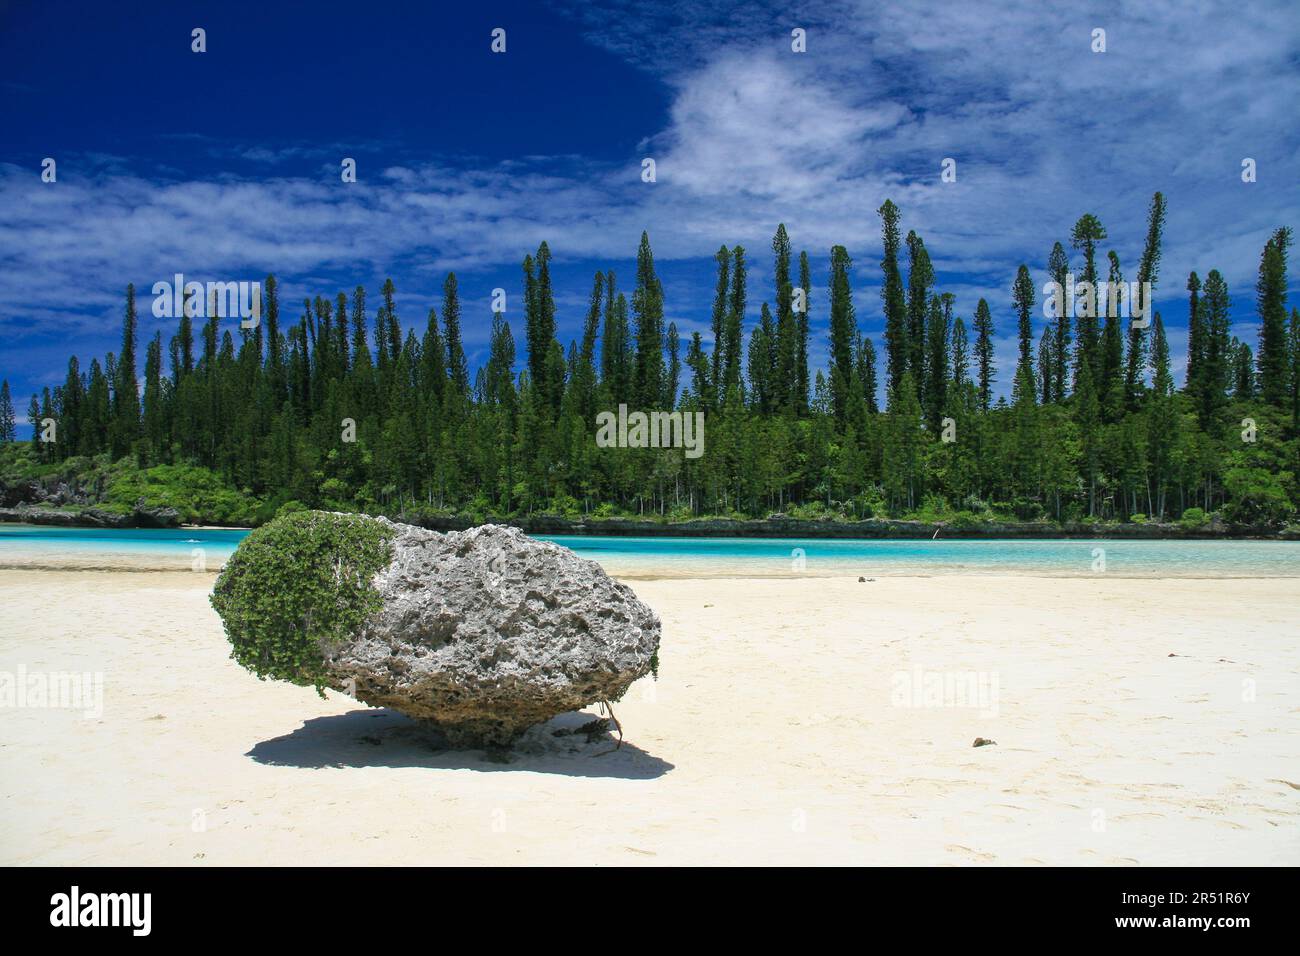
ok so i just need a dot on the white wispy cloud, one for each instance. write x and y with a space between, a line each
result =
1042 129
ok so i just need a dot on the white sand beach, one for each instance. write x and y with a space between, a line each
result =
1136 722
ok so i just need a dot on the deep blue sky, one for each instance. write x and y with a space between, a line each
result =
225 165
122 79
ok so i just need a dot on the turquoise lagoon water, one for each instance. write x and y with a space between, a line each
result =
31 546
791 556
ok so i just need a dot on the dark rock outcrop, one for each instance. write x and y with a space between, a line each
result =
141 517
154 516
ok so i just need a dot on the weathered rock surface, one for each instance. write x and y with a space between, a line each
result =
24 514
486 632
154 516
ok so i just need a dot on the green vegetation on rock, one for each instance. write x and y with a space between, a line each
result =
298 585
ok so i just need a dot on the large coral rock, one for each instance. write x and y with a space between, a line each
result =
486 632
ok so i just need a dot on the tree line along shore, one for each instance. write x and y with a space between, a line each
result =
344 410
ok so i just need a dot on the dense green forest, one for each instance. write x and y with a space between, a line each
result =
232 427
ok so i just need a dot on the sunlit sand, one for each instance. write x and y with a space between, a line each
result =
1136 722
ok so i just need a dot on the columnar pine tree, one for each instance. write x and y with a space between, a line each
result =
672 345
583 382
1088 231
1110 391
984 353
1196 341
71 412
457 367
1148 273
1044 378
896 340
648 309
34 419
8 432
392 323
1162 380
126 389
920 280
155 424
1244 386
1164 420
761 363
732 391
866 372
1270 298
697 361
1058 267
1295 369
550 364
843 327
98 414
801 360
720 312
785 377
342 340
937 361
1022 295
960 356
499 394
863 388
617 374
433 370
1217 359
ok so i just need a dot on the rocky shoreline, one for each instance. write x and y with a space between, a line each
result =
782 526
142 516
60 504
34 502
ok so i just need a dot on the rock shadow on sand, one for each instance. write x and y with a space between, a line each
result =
384 738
